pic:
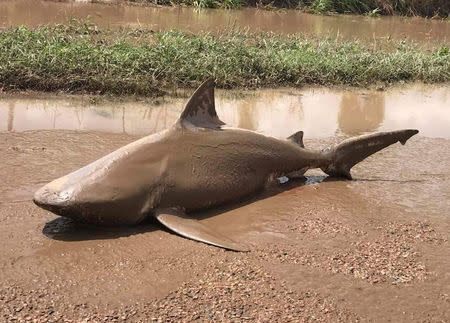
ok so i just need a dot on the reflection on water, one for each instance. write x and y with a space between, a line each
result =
38 12
279 112
10 116
360 113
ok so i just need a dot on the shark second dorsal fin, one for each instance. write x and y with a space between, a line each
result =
200 111
297 138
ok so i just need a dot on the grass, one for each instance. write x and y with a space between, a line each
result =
426 8
222 4
82 58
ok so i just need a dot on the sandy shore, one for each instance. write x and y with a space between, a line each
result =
373 249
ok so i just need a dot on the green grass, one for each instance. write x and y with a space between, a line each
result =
81 58
426 8
223 4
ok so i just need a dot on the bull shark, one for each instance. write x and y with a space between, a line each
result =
196 164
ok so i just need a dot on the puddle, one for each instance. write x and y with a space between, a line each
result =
319 217
319 112
19 194
34 13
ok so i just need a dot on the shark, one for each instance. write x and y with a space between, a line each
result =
196 164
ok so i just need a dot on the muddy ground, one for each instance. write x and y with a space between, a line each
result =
374 249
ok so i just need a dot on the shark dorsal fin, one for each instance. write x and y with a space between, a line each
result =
297 138
200 111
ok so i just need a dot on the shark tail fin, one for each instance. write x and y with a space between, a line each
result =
351 151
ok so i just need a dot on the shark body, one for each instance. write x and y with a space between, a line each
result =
197 163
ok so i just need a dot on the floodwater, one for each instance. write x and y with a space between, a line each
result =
37 12
380 241
319 112
329 249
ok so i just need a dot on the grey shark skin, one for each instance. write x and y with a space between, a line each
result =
196 164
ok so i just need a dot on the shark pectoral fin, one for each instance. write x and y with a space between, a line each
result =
178 222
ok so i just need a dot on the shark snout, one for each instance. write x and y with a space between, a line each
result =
58 201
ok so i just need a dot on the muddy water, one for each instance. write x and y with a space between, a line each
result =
323 114
319 112
376 242
37 12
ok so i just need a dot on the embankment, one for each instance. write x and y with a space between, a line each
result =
82 58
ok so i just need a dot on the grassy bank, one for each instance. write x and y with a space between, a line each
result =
85 59
425 8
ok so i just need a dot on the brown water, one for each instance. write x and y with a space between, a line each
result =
37 12
376 242
319 112
332 250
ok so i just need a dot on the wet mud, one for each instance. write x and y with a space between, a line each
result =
34 13
372 249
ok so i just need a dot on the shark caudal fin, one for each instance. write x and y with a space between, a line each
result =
351 151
